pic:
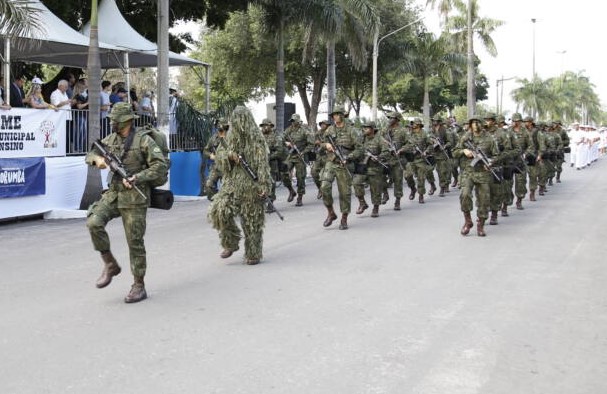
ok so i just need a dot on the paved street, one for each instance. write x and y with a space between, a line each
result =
398 304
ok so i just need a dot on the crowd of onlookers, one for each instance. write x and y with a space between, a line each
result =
72 95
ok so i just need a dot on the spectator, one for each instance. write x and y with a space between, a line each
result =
105 108
173 126
119 96
60 100
17 93
134 100
71 82
146 109
34 97
80 105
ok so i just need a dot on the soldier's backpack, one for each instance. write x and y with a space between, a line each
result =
160 139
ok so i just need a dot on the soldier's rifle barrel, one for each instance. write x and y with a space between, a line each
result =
115 165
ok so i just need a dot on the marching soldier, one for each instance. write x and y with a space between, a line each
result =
297 140
418 147
395 137
208 152
558 128
321 155
442 154
527 148
276 156
534 159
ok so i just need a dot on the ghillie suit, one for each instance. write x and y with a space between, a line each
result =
240 194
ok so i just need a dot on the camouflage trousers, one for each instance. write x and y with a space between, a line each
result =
222 214
300 174
212 184
549 169
520 184
133 221
317 171
534 172
501 193
375 179
430 174
396 175
420 170
444 169
334 171
480 182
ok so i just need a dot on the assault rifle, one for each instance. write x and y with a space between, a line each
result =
115 164
255 178
296 150
480 156
339 154
392 149
423 154
375 159
437 142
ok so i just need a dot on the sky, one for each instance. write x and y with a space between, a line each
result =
568 37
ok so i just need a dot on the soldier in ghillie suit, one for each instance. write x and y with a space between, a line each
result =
144 163
240 194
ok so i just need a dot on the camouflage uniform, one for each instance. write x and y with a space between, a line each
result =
477 177
534 166
277 154
144 160
527 149
211 185
299 136
566 148
417 147
370 170
395 137
440 137
347 141
240 194
321 156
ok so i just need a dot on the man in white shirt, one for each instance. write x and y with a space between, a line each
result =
61 101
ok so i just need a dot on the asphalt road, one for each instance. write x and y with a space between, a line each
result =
398 304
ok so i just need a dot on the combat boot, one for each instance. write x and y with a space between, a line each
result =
375 211
299 203
137 292
412 195
532 195
110 269
542 190
454 184
480 227
362 205
550 182
519 203
467 224
558 177
432 188
442 192
292 194
270 208
421 199
493 220
385 197
397 204
344 222
319 194
331 216
505 210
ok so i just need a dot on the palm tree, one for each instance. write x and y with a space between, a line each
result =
427 57
18 18
464 27
93 187
534 96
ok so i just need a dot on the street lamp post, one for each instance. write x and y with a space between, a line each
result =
500 96
533 75
376 41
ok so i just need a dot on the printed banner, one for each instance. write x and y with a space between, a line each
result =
28 132
22 177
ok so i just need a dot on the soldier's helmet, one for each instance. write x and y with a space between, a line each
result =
295 118
557 122
121 112
549 123
516 117
395 115
437 118
324 121
501 119
540 124
418 122
490 115
370 124
473 118
266 122
339 109
528 119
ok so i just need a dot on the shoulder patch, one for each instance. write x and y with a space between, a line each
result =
157 150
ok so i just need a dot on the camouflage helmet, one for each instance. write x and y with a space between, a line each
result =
557 122
324 121
475 117
490 115
295 118
540 124
266 122
437 118
501 119
528 119
394 115
121 112
417 122
339 109
516 117
370 124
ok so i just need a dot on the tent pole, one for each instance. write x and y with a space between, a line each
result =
7 69
207 87
127 76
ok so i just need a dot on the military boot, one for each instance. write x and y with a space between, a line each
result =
110 269
412 194
558 177
480 227
292 194
270 208
442 192
319 194
467 224
137 292
550 182
344 222
542 190
493 220
519 203
421 199
432 188
532 195
454 184
331 216
375 211
362 205
397 204
505 210
299 203
385 197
